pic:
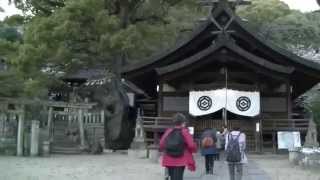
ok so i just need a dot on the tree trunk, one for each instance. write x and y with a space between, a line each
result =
124 13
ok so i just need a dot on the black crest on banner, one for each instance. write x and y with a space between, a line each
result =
243 103
204 103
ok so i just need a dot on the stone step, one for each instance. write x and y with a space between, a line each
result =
65 145
65 150
55 139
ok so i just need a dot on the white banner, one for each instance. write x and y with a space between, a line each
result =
243 103
238 102
206 102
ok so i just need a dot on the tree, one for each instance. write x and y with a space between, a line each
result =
290 29
261 13
86 32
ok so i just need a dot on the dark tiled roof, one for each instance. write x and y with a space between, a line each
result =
98 76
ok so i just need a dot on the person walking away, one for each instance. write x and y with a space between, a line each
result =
235 153
209 149
177 146
219 145
224 133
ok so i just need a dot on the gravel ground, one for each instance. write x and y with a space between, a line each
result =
79 167
116 166
279 168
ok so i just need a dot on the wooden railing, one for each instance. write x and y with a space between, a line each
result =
88 118
157 122
155 125
285 124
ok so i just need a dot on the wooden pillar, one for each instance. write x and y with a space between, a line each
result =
260 141
50 124
20 134
261 136
160 98
289 106
289 101
274 135
34 149
81 127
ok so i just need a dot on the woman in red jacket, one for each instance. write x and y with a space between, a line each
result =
174 164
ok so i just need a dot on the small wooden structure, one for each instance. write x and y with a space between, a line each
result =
223 50
56 128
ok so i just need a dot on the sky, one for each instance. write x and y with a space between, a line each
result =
302 5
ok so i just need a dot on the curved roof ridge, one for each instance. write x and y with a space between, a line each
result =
233 47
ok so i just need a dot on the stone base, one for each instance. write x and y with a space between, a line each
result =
294 157
154 155
138 144
137 153
45 148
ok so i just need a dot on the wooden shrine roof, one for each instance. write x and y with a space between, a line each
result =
234 36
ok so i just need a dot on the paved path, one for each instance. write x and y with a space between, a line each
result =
251 171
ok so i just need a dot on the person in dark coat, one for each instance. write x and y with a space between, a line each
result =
209 152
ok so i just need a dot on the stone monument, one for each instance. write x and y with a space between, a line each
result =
312 134
138 146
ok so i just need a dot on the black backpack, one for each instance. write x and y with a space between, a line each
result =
233 152
174 143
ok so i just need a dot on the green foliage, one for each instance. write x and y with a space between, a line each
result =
65 35
288 28
14 20
263 12
297 29
11 85
85 33
9 34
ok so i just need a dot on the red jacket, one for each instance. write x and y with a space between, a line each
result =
187 158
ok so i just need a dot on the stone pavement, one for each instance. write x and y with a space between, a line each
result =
251 171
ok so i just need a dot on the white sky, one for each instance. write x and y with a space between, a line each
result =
9 10
302 5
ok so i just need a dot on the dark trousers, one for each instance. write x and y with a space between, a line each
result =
209 161
235 171
175 173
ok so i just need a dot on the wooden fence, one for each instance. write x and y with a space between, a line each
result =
157 125
88 118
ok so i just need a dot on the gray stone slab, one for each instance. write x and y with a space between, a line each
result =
251 171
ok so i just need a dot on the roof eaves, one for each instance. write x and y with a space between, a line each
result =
233 47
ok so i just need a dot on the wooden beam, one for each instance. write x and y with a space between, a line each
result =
22 101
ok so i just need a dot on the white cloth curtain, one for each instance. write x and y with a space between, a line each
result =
238 102
206 102
243 103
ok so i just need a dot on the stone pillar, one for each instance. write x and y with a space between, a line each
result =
34 149
50 124
81 127
20 135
